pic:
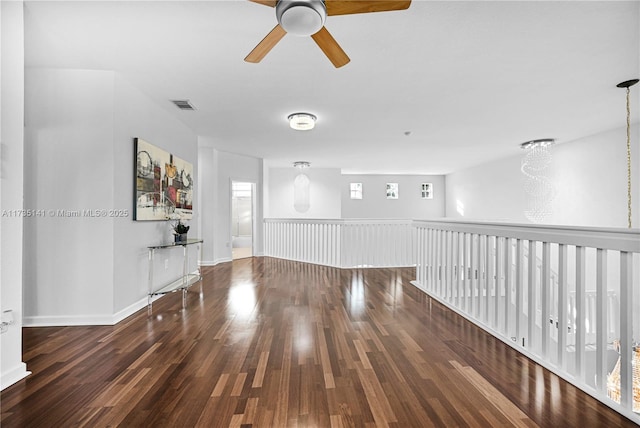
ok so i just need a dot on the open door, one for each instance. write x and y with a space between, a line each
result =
242 195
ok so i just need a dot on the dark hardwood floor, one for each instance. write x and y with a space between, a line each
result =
274 343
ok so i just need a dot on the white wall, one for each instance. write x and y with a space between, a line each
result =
79 154
207 185
374 203
219 169
590 177
136 116
12 368
68 166
324 193
492 191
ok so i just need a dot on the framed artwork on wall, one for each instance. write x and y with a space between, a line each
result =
427 190
392 190
163 184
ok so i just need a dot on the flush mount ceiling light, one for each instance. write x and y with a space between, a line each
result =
543 142
302 121
301 18
301 164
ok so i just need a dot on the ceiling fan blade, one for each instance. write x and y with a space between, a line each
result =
271 3
265 46
347 7
330 47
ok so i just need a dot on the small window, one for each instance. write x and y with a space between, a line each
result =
356 190
392 190
427 191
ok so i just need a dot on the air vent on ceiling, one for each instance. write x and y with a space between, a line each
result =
183 104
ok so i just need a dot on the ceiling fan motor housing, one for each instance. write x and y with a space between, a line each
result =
301 17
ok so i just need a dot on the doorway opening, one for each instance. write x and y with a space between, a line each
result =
242 203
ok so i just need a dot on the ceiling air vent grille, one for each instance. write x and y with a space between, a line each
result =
183 104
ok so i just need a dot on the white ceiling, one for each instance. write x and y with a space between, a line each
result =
469 80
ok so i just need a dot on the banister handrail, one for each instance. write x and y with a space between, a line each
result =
618 239
339 220
304 220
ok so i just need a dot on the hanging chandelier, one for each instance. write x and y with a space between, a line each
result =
538 187
301 188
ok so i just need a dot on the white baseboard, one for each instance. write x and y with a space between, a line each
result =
215 262
75 320
224 260
14 375
66 320
131 309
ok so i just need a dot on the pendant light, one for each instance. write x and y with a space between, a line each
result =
628 84
301 188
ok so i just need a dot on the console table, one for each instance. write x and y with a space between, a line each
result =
186 280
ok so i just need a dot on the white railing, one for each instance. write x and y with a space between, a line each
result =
577 282
589 305
344 243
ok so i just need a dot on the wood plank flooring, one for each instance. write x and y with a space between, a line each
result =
275 343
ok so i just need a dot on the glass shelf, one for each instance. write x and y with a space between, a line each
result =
179 284
176 244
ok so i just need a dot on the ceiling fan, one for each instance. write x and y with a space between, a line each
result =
306 18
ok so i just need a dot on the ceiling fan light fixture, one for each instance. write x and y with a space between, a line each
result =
301 17
302 121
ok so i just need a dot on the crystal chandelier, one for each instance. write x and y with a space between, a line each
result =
538 187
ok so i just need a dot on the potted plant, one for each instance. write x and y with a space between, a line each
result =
180 231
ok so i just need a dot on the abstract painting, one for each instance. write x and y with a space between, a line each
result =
164 184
